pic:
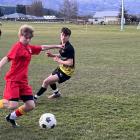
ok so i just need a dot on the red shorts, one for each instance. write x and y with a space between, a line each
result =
14 90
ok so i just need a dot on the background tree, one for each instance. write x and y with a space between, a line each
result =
36 8
69 9
73 9
133 19
65 9
126 15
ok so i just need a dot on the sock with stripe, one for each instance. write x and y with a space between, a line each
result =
17 113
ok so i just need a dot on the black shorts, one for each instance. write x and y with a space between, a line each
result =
24 98
61 75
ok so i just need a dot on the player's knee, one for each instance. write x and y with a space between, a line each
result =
32 107
46 82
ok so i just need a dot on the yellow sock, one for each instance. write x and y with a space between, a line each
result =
1 104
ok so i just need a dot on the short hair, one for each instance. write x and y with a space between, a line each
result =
66 31
26 30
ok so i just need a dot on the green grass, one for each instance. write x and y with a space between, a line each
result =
102 99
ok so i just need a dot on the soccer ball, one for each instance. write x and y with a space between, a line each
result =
47 120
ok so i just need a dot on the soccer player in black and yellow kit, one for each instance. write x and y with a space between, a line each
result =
66 61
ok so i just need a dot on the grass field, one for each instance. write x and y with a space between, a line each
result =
102 99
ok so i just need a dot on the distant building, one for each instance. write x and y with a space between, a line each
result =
49 17
6 9
22 17
105 17
16 16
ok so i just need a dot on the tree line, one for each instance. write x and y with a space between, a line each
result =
129 18
68 9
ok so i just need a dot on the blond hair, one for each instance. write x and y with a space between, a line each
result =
26 29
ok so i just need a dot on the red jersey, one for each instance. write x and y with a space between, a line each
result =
20 57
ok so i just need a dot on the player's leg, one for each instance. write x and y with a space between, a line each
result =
10 99
4 103
28 105
27 97
62 77
22 110
45 85
48 81
13 104
56 92
10 95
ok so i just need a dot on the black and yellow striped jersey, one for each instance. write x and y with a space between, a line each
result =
66 53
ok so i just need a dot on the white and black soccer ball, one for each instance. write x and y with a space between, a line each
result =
47 120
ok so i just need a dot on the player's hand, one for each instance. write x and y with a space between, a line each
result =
49 54
56 59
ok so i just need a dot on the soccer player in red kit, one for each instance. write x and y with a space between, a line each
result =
17 86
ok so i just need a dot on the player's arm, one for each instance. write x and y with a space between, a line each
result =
3 61
48 47
68 62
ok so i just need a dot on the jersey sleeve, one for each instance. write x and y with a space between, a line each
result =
36 50
13 52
